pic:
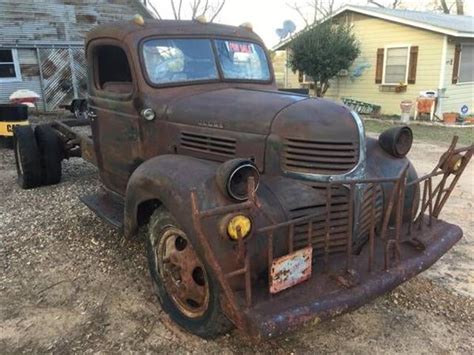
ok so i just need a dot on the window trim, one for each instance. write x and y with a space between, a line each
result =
385 56
459 82
16 65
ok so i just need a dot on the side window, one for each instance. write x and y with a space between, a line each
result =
112 70
9 66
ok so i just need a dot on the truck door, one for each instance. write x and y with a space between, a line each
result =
114 119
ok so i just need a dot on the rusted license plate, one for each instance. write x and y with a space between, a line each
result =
290 270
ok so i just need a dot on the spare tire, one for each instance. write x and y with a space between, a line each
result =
51 151
27 157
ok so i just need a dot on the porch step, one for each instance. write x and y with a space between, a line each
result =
108 207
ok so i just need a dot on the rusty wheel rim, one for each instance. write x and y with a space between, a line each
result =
182 272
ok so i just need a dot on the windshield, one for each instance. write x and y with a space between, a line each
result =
177 60
186 60
242 60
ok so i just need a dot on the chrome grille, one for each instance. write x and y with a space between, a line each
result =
319 157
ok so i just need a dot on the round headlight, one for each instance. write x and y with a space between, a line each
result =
396 141
233 175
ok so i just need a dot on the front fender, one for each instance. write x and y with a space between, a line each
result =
380 164
170 180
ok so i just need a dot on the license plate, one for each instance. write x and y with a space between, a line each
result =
291 269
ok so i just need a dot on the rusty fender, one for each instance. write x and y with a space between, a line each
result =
168 180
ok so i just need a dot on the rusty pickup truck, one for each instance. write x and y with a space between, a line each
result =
260 209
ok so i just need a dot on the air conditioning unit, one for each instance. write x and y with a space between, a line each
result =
343 72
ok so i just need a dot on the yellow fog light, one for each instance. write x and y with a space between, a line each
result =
457 165
453 164
238 225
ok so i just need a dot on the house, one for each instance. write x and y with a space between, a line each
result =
42 44
402 54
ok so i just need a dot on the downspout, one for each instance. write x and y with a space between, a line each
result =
442 77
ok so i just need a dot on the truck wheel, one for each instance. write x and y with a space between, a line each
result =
186 290
27 157
51 154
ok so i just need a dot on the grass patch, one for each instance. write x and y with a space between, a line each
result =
428 133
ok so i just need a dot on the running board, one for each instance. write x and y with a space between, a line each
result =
106 206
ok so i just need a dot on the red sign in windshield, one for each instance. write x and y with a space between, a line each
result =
239 47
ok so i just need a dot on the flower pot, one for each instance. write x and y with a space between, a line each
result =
450 117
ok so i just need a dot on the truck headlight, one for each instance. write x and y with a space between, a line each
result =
396 141
233 175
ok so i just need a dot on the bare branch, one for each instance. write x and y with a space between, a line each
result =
155 11
217 11
396 3
195 7
179 8
459 7
298 10
174 10
375 3
444 6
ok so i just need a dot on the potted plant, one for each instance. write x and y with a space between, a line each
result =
450 117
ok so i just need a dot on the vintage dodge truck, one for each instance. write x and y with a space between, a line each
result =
261 209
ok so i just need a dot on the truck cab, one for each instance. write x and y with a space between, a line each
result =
259 208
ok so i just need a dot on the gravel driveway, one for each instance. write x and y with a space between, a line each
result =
68 284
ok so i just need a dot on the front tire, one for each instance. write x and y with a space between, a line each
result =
185 288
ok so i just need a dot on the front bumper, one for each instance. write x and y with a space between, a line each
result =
406 242
328 294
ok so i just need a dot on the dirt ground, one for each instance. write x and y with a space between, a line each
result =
68 285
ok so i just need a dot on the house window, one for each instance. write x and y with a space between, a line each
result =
466 65
396 65
9 67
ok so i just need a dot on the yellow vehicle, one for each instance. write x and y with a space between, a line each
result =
12 115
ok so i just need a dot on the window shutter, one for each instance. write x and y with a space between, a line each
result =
379 67
412 66
300 76
457 55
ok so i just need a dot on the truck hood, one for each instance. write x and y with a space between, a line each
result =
233 109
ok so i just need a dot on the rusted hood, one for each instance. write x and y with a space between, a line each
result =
316 120
234 109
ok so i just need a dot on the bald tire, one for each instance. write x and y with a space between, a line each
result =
27 157
213 322
51 152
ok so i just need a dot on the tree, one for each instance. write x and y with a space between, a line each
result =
322 51
208 8
313 11
394 4
446 6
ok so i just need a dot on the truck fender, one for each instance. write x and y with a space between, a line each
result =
167 180
380 164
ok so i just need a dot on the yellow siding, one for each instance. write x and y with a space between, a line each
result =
456 95
284 76
374 33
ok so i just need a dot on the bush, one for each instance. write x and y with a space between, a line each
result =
322 51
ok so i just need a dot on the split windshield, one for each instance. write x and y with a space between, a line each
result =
187 60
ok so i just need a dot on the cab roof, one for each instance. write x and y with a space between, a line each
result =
120 30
